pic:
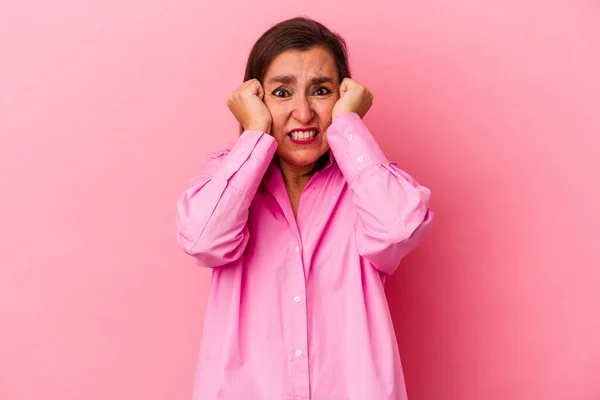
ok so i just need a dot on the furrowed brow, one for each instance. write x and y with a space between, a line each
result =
283 79
320 80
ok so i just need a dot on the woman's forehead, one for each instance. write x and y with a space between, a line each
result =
300 65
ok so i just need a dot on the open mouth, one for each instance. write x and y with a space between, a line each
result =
303 136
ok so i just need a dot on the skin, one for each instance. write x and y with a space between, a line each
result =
301 89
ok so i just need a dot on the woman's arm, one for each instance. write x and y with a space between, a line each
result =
213 211
393 214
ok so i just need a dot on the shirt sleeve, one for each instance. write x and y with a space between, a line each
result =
212 213
393 214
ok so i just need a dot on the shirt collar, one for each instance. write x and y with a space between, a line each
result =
330 160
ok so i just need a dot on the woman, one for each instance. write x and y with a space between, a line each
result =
301 221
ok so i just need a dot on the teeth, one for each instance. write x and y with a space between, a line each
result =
296 135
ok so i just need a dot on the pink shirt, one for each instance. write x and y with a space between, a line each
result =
297 308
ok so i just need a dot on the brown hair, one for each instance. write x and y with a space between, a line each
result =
298 33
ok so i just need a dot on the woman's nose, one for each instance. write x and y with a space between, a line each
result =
303 111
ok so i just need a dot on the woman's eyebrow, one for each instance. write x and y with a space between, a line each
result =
283 79
320 80
289 79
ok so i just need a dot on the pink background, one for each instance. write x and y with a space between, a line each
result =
107 107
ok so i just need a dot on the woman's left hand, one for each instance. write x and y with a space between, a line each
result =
354 97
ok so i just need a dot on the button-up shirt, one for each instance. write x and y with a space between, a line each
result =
297 308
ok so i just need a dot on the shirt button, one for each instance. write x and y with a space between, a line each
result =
297 299
350 136
297 248
360 158
298 353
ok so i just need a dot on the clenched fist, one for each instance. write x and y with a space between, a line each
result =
354 97
246 104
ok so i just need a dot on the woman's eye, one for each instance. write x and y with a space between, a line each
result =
322 91
280 93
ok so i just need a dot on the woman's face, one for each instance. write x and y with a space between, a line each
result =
301 88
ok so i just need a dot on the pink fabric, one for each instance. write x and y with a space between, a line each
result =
297 308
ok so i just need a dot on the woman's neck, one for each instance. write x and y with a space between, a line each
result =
296 178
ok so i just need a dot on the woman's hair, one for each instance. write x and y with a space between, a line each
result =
298 33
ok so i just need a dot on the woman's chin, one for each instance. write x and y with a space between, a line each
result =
303 158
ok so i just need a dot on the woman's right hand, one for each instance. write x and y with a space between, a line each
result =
247 105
